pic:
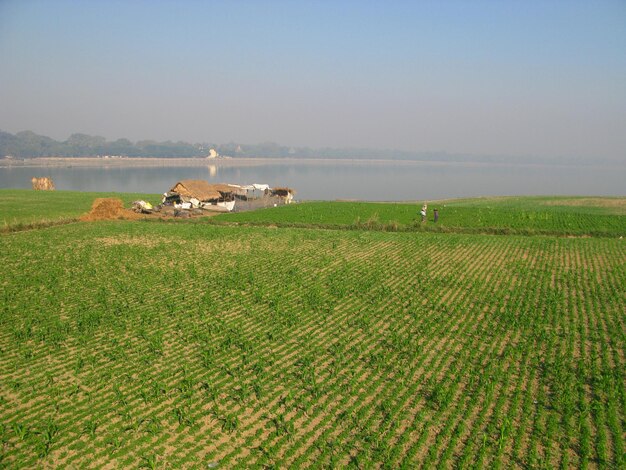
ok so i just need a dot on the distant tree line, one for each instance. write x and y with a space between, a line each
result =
27 144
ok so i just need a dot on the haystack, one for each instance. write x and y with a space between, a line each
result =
42 184
107 209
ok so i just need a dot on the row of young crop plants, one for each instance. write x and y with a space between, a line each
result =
309 348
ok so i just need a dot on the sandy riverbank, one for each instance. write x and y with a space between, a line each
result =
143 162
147 162
67 162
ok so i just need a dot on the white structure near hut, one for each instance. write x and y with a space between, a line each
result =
213 154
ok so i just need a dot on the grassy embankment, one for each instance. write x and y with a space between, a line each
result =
172 345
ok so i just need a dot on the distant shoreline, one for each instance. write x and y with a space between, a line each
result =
165 162
125 162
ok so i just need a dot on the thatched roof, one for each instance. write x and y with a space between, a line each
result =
283 191
226 188
200 189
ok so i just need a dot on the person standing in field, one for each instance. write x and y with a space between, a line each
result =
436 214
423 212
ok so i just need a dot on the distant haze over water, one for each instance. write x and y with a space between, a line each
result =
389 181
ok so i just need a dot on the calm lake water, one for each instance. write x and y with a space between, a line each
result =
392 181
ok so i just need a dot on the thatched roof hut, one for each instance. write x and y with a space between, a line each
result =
283 192
199 189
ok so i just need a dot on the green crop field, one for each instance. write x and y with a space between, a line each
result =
20 208
522 215
578 216
198 345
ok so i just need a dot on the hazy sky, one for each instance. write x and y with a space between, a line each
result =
499 77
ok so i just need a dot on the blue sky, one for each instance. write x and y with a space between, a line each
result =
499 77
